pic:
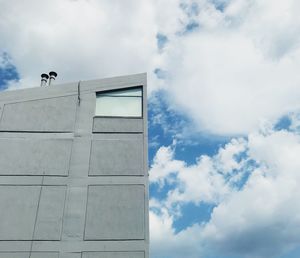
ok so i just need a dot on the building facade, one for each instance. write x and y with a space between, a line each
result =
73 170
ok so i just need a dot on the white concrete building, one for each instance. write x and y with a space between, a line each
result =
73 170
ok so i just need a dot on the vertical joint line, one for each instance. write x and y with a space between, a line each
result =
78 88
36 215
1 111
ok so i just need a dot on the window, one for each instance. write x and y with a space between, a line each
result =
119 103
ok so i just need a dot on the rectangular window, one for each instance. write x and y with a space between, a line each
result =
119 103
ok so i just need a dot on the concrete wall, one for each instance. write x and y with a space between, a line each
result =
72 185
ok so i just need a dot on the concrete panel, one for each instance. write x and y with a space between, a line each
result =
70 255
55 114
50 214
113 255
28 255
115 212
19 205
34 156
117 125
44 255
16 200
74 217
117 156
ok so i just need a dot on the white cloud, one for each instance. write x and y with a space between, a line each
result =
164 165
203 182
79 39
240 69
166 244
260 219
226 155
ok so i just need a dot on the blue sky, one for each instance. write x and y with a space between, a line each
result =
224 120
8 72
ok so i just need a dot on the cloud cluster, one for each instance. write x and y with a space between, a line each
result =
79 39
209 180
252 182
239 66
